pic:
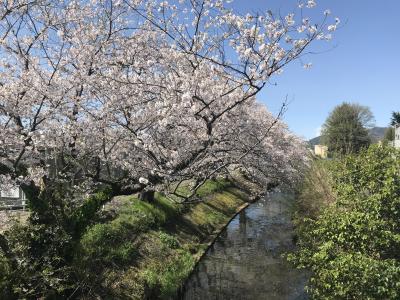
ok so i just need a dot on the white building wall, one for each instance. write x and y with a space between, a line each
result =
10 193
13 197
321 150
397 137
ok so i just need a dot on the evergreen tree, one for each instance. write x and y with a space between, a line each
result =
345 130
395 121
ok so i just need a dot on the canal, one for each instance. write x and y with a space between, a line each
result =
246 260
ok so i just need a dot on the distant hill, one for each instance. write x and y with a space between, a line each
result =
315 141
376 134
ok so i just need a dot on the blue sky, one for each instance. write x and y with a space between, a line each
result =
362 64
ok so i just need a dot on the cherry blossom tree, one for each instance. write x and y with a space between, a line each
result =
107 97
137 95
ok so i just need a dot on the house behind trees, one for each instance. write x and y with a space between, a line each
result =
321 151
12 198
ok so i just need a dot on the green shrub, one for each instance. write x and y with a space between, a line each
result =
4 277
357 276
352 247
42 265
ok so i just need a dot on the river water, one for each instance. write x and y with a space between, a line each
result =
246 260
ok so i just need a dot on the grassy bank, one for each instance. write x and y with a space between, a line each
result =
146 250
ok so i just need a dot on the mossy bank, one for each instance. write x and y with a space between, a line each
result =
147 250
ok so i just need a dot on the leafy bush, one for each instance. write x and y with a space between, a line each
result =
40 263
4 276
352 247
357 276
41 253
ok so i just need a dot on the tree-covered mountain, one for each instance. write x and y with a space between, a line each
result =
377 133
315 141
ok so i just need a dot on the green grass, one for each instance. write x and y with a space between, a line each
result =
212 186
148 249
167 276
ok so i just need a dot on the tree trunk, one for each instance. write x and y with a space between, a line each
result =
147 196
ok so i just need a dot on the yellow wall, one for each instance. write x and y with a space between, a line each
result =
321 150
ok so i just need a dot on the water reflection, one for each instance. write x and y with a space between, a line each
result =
245 262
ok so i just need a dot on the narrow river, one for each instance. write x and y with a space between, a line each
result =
246 260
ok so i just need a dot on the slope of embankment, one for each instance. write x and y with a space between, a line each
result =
147 250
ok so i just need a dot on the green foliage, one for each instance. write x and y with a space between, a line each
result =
135 249
42 251
167 277
395 120
5 270
167 207
110 243
42 265
345 130
168 240
352 247
389 135
207 188
212 186
357 276
84 215
315 192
